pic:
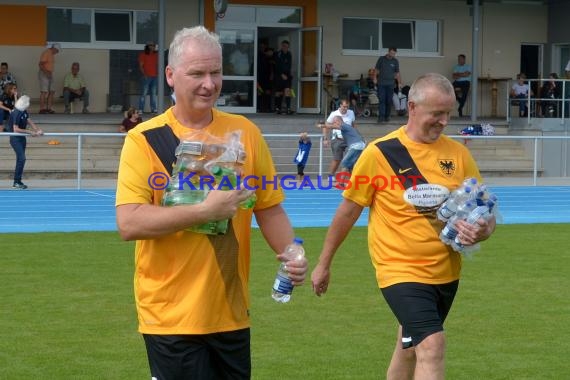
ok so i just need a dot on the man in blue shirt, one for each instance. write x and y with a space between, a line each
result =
461 81
354 141
388 70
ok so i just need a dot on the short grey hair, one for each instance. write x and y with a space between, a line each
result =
417 92
197 34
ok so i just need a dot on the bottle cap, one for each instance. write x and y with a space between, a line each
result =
472 181
298 240
216 169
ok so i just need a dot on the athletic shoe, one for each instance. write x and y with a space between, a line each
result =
19 186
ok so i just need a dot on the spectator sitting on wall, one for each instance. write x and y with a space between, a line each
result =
74 87
5 76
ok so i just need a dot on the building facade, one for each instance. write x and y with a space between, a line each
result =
105 36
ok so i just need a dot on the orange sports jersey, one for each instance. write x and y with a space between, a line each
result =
189 283
410 181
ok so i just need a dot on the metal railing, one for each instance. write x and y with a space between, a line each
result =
293 138
79 136
534 101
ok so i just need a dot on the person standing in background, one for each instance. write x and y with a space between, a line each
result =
265 78
387 68
148 64
46 77
461 82
18 122
354 141
283 78
337 142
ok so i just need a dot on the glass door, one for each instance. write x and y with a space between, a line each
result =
309 84
238 54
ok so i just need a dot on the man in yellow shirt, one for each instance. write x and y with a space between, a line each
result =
409 169
191 289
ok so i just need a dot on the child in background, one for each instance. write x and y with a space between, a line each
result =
131 120
302 154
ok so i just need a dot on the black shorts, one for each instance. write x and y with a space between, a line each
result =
223 355
300 169
421 309
281 84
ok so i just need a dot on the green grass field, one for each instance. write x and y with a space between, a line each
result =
68 311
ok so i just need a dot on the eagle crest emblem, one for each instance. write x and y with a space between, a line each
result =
447 166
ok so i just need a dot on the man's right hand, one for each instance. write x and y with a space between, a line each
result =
223 204
320 279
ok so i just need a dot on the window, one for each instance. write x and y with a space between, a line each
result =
363 34
398 34
370 36
147 27
69 25
81 27
274 15
111 26
262 15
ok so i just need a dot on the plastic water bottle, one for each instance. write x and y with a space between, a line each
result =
227 178
484 211
449 207
283 287
448 233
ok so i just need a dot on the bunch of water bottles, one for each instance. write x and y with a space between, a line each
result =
470 202
203 162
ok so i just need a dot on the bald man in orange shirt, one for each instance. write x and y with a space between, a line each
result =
45 76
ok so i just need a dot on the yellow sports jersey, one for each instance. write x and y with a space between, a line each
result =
189 283
404 182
